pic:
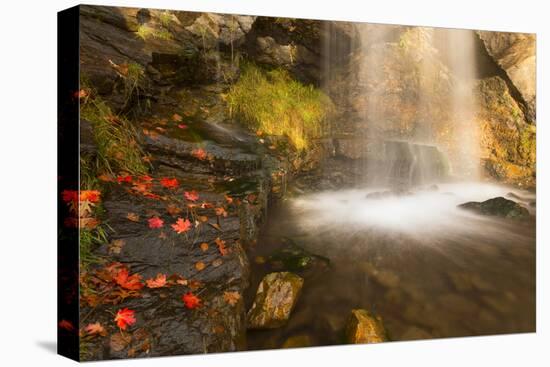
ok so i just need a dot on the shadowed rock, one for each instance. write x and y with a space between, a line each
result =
499 207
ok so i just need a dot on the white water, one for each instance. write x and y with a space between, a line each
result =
422 212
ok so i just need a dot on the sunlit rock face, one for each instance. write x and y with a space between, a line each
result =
515 53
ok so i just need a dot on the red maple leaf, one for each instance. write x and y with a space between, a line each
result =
182 225
158 282
90 195
127 281
191 301
199 154
191 195
126 178
124 318
169 183
155 222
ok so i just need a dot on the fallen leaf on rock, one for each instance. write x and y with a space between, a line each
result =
221 246
88 223
231 297
124 318
191 195
169 183
217 262
116 246
199 154
158 282
191 301
200 266
194 284
119 341
132 217
173 209
95 329
155 222
181 225
127 281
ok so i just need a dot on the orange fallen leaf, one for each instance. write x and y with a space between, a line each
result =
127 281
158 282
231 297
176 117
204 246
132 217
181 225
200 266
95 329
221 246
199 154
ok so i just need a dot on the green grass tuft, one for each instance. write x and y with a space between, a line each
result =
275 103
116 139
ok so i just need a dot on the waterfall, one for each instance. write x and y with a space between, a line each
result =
416 104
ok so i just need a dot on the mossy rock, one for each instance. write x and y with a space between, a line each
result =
499 207
364 328
275 299
292 257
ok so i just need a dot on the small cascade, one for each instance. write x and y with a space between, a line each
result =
406 165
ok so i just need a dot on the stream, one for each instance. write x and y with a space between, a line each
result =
428 268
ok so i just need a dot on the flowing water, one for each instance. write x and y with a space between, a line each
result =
428 268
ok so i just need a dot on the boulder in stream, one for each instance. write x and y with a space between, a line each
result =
275 298
499 207
364 328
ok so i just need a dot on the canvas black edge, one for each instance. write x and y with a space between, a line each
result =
67 179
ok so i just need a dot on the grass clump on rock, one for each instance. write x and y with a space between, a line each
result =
118 149
276 104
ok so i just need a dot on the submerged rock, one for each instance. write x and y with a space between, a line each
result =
297 341
294 258
275 298
499 207
363 328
